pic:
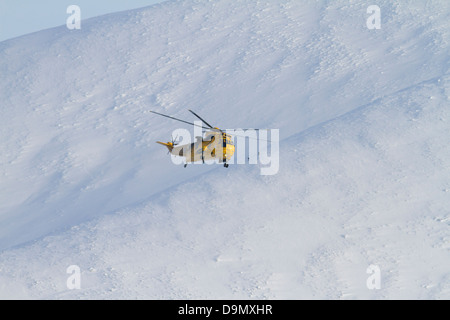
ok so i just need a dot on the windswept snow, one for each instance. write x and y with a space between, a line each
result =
364 173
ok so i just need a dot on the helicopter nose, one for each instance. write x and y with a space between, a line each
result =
229 151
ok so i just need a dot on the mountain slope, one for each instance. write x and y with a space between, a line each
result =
363 117
370 187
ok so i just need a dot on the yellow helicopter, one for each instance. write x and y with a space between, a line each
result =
216 145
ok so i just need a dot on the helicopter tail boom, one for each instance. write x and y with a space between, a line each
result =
169 145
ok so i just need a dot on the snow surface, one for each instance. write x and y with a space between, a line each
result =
364 173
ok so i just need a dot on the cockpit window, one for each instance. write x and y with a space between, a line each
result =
227 139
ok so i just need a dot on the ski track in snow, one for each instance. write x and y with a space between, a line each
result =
364 159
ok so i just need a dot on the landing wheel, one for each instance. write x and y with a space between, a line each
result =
225 165
185 165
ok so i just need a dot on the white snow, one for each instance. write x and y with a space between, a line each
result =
364 173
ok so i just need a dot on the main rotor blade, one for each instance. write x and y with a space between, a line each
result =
245 136
191 123
210 126
249 129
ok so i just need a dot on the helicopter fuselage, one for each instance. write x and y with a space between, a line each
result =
215 145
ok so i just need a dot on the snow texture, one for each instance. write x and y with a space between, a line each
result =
364 179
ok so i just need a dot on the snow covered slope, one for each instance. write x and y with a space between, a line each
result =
364 173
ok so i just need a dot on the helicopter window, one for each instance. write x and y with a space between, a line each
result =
228 141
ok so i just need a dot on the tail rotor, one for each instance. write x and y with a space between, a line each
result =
174 142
